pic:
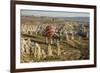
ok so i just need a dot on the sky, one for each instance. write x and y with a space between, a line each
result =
53 13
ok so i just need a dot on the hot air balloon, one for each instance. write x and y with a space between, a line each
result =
49 32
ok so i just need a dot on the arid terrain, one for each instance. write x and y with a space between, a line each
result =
53 39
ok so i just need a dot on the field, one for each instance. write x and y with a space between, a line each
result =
65 40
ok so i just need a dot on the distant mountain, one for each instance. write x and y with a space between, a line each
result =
80 19
45 19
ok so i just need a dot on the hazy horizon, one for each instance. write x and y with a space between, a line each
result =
53 13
